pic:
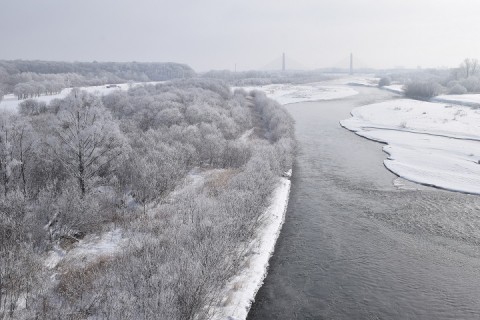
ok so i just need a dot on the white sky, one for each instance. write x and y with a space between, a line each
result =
216 34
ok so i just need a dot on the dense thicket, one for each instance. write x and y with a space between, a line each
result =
87 165
422 90
28 79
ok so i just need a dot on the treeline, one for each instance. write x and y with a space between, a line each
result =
259 78
428 83
86 164
28 79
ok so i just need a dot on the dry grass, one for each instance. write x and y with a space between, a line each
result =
218 181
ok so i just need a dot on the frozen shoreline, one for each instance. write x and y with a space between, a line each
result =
241 290
428 143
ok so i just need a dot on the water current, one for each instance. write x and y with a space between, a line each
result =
355 246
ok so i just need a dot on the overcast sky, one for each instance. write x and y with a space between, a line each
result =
216 34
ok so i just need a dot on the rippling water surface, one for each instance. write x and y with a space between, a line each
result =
354 246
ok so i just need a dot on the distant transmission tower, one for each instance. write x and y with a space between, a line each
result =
283 62
351 63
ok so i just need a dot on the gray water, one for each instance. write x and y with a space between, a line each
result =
353 246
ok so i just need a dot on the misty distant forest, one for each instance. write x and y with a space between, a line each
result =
89 164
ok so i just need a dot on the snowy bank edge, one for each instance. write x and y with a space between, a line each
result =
253 276
361 127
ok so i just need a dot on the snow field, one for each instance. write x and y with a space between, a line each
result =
292 93
472 100
357 80
428 143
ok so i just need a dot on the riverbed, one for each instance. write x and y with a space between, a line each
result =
360 243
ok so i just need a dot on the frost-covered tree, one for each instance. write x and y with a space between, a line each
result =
18 143
422 90
85 138
457 89
469 67
99 167
8 161
32 107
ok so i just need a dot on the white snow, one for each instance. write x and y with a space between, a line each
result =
10 101
246 135
428 143
396 88
472 100
87 250
293 93
241 290
357 80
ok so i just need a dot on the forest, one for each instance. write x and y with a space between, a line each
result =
123 168
424 84
29 79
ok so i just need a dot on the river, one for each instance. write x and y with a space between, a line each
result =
354 246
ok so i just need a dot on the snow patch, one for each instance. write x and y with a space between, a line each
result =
395 88
471 100
87 250
365 81
293 93
246 135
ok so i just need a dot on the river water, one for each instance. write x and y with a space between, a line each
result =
354 246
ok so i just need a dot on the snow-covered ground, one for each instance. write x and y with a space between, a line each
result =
428 143
87 250
10 101
472 100
293 93
395 88
241 290
357 80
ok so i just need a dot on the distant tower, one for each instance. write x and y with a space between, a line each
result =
283 62
351 63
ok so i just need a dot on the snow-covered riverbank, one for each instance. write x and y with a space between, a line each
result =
428 143
470 100
294 93
241 290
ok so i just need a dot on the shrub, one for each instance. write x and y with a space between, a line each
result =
422 90
472 84
457 89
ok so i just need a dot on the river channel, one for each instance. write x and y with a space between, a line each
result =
354 245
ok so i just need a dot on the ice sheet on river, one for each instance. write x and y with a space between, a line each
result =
428 143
